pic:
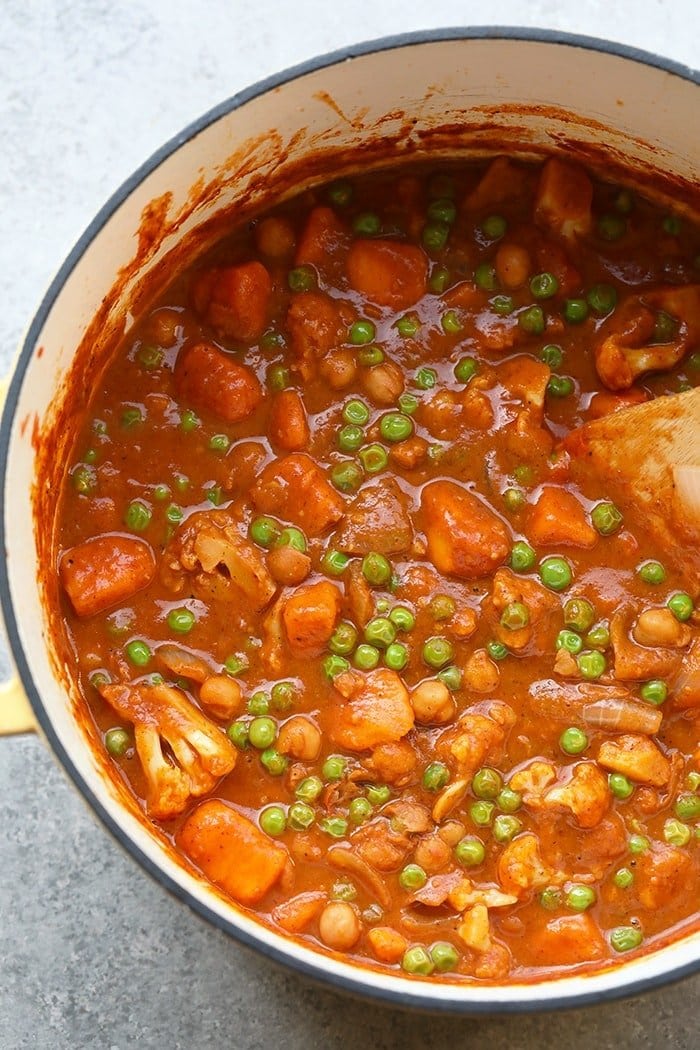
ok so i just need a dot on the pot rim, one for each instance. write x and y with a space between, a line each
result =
419 996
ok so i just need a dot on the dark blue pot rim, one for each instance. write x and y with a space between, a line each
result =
466 999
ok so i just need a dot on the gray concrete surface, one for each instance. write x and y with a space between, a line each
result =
93 953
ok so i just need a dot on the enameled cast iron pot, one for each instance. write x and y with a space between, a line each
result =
443 93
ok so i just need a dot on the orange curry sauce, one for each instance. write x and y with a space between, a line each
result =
348 624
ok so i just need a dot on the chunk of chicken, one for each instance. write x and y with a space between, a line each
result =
202 753
213 381
388 273
584 793
638 757
358 595
520 867
377 713
376 520
106 570
208 555
310 616
465 538
235 300
564 199
295 488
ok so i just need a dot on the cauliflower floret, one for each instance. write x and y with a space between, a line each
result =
586 795
201 752
520 866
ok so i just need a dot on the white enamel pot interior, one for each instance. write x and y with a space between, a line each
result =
443 92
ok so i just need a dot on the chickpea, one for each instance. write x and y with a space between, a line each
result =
432 853
338 368
432 702
339 926
513 265
452 831
221 695
481 673
383 383
660 627
163 327
288 566
300 738
274 237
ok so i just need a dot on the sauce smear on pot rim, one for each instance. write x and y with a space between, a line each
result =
381 658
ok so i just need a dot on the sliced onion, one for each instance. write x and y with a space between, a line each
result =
687 482
623 716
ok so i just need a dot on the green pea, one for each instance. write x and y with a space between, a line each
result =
437 651
552 355
465 369
412 877
470 851
611 227
503 305
494 227
98 679
138 652
599 636
508 800
278 377
174 514
514 499
273 821
396 656
334 563
189 421
131 417
435 776
237 733
522 557
402 618
408 325
693 780
681 605
117 742
555 573
84 480
497 650
282 696
343 891
672 225
272 340
215 495
408 403
652 572
334 665
687 807
606 518
369 356
181 620
550 898
264 531
356 411
138 516
481 813
365 657
575 311
624 202
591 665
665 329
444 956
569 640
395 426
579 614
302 279
602 299
340 192
654 692
347 476
506 827
451 322
439 279
442 210
416 960
580 897
344 639
380 631
623 878
573 741
560 386
361 332
638 844
334 767
620 785
487 783
434 236
336 827
485 277
376 569
300 816
350 437
274 762
515 616
694 359
532 320
676 833
426 378
367 224
360 810
262 732
625 938
236 664
373 458
309 789
544 285
378 794
451 677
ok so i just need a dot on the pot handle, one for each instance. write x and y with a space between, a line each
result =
16 716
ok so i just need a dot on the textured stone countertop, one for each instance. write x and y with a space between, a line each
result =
94 953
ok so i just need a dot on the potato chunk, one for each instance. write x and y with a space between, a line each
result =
559 518
564 198
209 379
638 757
310 616
235 300
465 538
378 713
106 570
388 273
377 520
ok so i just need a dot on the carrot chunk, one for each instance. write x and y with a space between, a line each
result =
310 615
232 851
321 236
297 489
465 538
212 380
106 570
236 300
288 426
388 272
558 517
